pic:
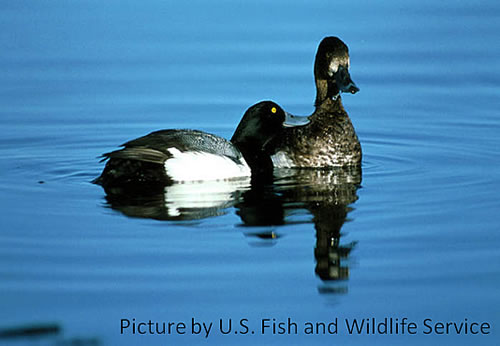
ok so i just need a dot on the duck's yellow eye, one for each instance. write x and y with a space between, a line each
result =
273 110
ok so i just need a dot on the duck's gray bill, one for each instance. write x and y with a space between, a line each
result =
295 120
344 81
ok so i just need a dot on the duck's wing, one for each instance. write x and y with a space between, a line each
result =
156 146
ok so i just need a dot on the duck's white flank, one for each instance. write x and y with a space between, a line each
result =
200 166
281 160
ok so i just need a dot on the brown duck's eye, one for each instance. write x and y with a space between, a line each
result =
274 110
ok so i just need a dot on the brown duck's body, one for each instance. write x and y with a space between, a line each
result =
328 141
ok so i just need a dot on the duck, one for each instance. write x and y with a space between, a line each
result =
173 156
329 140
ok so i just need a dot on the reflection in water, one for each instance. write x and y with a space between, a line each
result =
332 192
326 194
186 201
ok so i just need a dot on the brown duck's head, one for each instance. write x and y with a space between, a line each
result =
331 70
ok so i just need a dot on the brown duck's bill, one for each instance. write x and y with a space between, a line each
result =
295 120
350 88
344 81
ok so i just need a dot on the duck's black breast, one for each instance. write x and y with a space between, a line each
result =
328 141
141 161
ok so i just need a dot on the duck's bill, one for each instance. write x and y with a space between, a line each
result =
295 120
344 81
350 88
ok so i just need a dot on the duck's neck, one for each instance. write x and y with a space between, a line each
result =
325 89
327 94
329 105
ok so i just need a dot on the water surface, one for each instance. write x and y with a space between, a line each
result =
415 235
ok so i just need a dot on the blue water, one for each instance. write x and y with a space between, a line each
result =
417 237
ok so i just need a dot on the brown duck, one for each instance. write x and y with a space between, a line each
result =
329 140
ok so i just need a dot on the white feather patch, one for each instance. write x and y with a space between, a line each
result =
335 64
334 67
281 160
200 166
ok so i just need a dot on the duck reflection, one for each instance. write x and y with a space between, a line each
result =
188 201
326 194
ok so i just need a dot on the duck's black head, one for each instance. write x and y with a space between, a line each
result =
331 70
260 125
